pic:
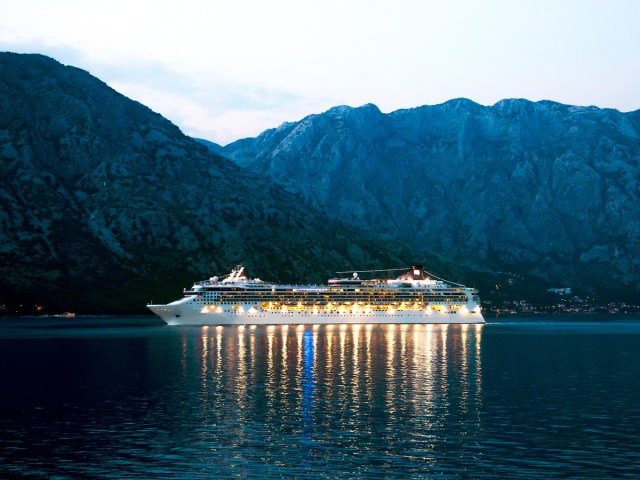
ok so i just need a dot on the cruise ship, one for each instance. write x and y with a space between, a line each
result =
413 297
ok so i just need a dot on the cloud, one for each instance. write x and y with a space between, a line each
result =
207 87
65 54
205 104
218 112
202 104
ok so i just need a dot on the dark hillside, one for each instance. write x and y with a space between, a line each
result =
105 205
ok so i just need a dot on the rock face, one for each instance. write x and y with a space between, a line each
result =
105 205
541 189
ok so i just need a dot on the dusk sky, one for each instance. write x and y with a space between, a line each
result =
224 70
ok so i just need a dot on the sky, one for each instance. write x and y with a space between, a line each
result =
228 69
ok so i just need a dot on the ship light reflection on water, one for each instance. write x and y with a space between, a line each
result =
373 375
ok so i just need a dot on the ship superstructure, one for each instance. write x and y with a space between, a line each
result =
413 297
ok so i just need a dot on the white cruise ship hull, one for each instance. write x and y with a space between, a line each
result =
189 312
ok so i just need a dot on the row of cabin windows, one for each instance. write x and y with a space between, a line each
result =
332 298
391 292
321 296
321 305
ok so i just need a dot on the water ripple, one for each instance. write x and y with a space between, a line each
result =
405 401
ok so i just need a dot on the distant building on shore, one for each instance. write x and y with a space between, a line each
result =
561 291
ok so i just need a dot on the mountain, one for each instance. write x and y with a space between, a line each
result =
544 190
105 205
214 147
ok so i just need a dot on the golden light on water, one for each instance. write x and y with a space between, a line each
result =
408 366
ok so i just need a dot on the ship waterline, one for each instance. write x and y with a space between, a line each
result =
412 297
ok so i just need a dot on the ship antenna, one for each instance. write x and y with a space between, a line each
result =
444 280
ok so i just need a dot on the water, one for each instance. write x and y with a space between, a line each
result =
128 398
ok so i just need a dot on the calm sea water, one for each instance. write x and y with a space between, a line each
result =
549 397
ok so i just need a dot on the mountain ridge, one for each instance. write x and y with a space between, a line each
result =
541 188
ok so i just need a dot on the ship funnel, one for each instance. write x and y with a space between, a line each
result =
416 273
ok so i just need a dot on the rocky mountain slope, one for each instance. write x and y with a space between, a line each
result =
546 190
105 205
